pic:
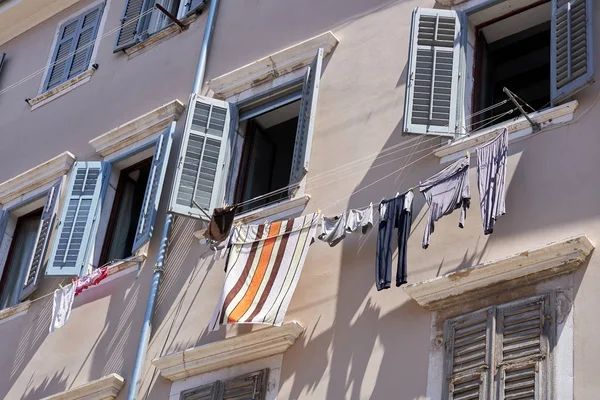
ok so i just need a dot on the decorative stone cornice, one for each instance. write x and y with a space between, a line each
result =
525 268
282 62
36 177
231 351
105 388
137 129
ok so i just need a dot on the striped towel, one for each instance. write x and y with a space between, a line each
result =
263 268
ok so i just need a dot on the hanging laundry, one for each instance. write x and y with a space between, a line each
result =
221 248
393 214
445 192
264 265
91 279
61 309
362 219
491 179
220 224
333 230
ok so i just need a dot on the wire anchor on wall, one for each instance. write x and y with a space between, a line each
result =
534 125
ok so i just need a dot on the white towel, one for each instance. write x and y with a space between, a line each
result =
63 300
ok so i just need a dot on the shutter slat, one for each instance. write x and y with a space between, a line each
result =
206 392
248 387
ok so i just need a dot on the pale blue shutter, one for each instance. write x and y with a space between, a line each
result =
431 104
79 219
154 187
88 29
306 119
133 23
571 48
41 242
202 164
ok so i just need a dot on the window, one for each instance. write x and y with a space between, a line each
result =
141 19
25 232
222 161
2 57
73 48
251 386
501 352
540 51
136 205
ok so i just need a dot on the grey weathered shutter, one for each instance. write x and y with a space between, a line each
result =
87 31
5 239
154 187
571 49
468 342
523 330
431 104
247 387
41 242
202 164
2 57
62 56
306 119
79 219
192 6
132 23
206 392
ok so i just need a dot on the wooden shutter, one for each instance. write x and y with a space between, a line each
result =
468 342
31 280
154 187
202 165
57 72
206 392
523 330
88 29
79 219
306 119
132 23
431 104
571 48
252 386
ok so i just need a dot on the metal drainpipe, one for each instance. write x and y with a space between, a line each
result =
164 243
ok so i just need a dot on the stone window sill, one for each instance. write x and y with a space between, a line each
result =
61 89
12 312
105 388
517 129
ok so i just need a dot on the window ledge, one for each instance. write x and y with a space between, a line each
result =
36 177
525 268
134 131
231 351
517 129
158 37
126 264
105 388
282 62
14 311
61 89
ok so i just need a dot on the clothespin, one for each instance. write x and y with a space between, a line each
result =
468 154
397 194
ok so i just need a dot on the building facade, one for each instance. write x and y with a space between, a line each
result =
305 107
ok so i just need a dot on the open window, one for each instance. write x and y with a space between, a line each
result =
242 153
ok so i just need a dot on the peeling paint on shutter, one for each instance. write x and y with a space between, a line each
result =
572 51
41 242
2 57
132 23
79 219
206 392
154 187
202 165
248 387
431 101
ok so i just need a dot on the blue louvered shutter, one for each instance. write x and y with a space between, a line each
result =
203 163
154 187
306 119
79 219
431 104
136 17
31 280
73 47
571 48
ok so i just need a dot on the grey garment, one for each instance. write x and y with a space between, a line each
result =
360 219
445 192
491 179
333 230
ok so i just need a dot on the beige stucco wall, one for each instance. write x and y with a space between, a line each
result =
359 343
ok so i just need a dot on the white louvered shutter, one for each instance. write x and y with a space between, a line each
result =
523 329
431 104
468 342
203 158
79 219
247 387
571 49
133 23
306 119
31 280
206 392
154 187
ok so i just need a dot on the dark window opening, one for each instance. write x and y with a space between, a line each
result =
19 256
267 153
126 210
519 60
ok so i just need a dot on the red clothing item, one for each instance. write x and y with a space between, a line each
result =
91 279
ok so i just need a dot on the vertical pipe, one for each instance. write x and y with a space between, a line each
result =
208 29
